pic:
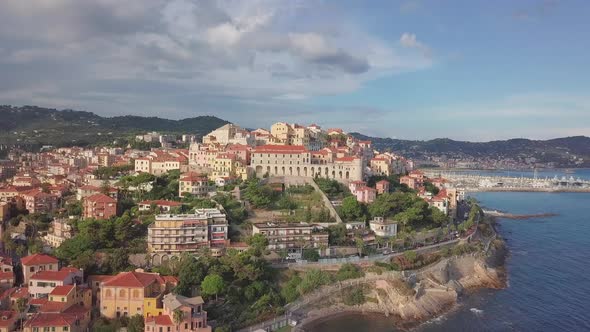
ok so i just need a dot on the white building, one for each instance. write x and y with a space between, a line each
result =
382 227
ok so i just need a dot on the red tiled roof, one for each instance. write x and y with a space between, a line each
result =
6 275
40 301
62 290
160 320
38 259
383 181
133 279
100 198
50 319
22 292
53 306
280 149
7 318
51 275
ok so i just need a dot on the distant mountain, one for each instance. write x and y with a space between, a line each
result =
560 152
32 125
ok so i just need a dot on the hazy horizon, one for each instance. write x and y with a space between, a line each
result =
414 69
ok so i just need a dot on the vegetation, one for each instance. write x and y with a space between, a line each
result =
349 271
332 188
353 296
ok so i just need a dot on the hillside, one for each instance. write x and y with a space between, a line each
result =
34 126
563 152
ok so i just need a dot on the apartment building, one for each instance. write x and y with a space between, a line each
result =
59 231
44 282
99 206
38 262
383 227
194 184
171 235
292 236
194 318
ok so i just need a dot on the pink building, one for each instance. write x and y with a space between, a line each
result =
362 193
36 201
409 181
382 187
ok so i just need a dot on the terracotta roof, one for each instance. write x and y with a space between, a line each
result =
22 292
50 319
53 306
383 181
160 320
51 275
62 290
8 292
39 302
6 275
8 318
133 279
100 198
38 259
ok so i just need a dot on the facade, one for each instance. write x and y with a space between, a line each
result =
171 235
362 193
99 206
60 231
381 166
37 201
44 282
294 160
131 293
194 184
291 236
37 262
229 134
7 169
382 227
194 318
382 187
57 322
409 181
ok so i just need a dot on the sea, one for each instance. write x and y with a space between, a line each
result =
548 271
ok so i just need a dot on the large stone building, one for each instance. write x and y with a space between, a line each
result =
171 235
296 160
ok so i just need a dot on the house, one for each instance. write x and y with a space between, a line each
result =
60 231
37 262
382 187
362 193
99 206
42 283
292 236
194 318
8 320
89 190
161 204
37 201
409 181
194 184
131 293
382 227
57 322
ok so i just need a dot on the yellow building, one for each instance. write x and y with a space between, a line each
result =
131 293
281 131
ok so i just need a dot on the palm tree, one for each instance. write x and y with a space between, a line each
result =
21 307
178 317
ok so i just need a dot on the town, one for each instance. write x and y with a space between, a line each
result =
188 233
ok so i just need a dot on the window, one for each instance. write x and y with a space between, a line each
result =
32 269
65 328
122 293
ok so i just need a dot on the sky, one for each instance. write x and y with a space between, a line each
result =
414 69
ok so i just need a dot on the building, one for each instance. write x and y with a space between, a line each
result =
161 204
37 201
99 206
409 181
8 320
44 282
229 134
5 208
89 190
57 322
194 184
362 193
131 293
37 262
171 235
59 231
296 160
382 227
159 162
292 236
7 169
382 187
194 318
381 166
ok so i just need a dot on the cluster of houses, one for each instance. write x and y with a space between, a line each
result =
50 297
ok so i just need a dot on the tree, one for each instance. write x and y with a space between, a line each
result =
191 274
311 255
124 227
21 307
178 317
135 323
351 209
212 285
258 242
411 256
348 271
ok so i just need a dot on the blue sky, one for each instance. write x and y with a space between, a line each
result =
416 69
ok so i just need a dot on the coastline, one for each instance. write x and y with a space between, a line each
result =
488 272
